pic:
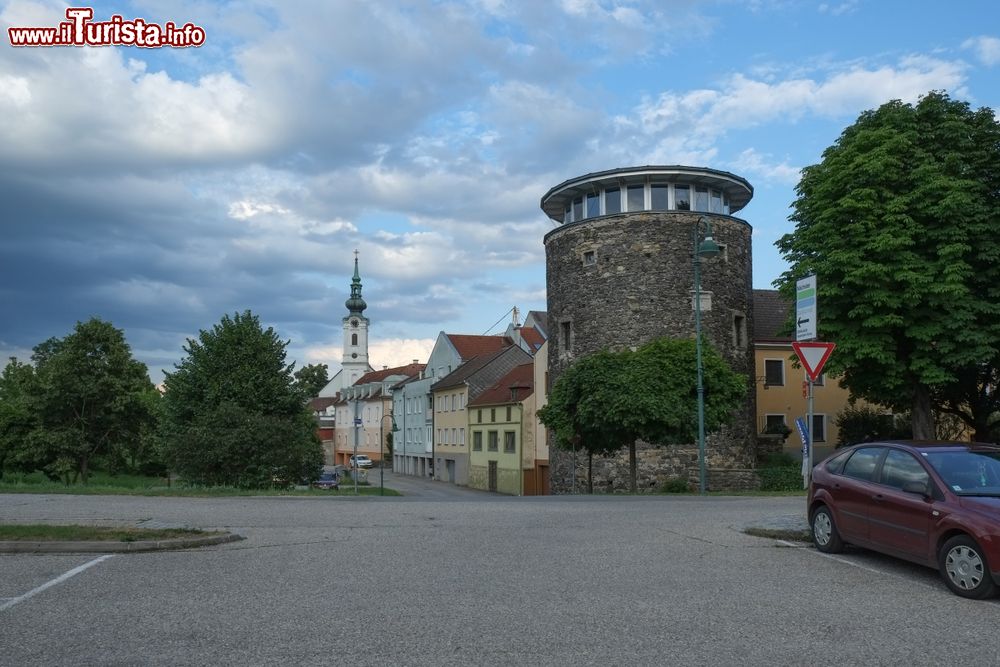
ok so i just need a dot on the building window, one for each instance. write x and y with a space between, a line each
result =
454 436
819 428
774 372
508 442
479 416
723 252
820 380
566 329
682 198
658 197
593 205
775 424
492 440
589 258
461 436
477 441
739 331
493 415
578 208
716 201
568 215
508 413
612 201
701 199
439 436
354 339
636 197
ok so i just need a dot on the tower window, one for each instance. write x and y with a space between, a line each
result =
701 199
566 329
658 197
354 339
636 197
612 201
682 197
739 331
593 205
589 258
578 208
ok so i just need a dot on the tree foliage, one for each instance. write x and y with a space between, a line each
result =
87 398
898 222
232 414
608 400
311 378
18 418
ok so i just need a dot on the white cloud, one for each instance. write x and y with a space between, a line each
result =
753 164
987 49
839 9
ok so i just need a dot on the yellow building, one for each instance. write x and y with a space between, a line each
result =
503 455
781 388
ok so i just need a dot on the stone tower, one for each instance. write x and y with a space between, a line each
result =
620 272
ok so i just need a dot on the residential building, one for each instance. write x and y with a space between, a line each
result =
324 410
413 451
781 382
365 418
450 396
504 453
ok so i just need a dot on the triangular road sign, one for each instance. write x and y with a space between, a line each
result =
813 356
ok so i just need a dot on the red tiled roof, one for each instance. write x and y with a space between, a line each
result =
408 370
474 346
532 337
323 402
522 378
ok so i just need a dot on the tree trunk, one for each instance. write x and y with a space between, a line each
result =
631 468
590 472
922 418
83 470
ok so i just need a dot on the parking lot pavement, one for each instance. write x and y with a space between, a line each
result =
548 580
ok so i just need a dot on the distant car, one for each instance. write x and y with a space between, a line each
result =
933 503
327 480
362 461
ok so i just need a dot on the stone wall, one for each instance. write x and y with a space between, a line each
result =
619 281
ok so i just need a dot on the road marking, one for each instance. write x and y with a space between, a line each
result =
49 584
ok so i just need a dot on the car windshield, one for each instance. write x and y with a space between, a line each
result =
968 473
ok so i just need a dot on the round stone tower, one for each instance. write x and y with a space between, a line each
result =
620 272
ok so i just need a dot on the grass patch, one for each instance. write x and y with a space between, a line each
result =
47 532
103 484
781 534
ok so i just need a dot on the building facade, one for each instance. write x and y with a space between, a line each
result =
620 272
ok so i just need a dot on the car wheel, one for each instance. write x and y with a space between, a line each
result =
824 531
965 569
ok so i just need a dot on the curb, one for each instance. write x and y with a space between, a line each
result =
109 546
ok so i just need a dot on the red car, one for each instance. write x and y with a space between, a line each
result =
933 503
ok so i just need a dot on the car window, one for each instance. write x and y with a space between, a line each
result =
836 463
976 473
863 462
900 467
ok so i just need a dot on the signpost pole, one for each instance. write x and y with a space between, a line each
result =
809 437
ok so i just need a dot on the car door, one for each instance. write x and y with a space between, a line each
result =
899 522
852 490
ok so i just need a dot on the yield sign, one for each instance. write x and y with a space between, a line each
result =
813 356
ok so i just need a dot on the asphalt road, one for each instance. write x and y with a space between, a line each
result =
468 578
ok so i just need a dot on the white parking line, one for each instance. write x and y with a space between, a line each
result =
49 584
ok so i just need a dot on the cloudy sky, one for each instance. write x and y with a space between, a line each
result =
162 188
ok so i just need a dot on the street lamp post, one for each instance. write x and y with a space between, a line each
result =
704 248
381 446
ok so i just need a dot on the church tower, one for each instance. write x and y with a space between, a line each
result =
355 357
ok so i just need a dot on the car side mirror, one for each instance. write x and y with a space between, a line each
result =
919 488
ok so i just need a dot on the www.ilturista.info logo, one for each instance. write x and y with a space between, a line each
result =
81 30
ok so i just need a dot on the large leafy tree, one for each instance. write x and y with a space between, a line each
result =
898 222
311 378
608 400
18 418
89 396
232 414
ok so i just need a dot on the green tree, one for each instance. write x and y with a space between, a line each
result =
311 378
608 400
898 222
88 398
18 418
232 414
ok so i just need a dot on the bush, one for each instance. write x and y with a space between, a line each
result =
865 424
785 478
676 485
780 460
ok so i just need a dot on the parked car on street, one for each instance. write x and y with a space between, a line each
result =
933 503
362 461
327 480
